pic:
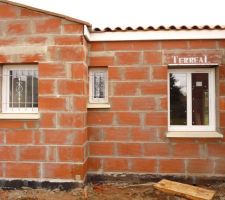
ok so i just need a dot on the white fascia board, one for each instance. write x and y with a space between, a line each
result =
154 35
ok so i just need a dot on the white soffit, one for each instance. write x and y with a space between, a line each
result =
154 35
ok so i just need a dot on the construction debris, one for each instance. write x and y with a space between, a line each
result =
184 190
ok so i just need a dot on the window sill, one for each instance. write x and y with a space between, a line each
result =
19 116
98 105
192 134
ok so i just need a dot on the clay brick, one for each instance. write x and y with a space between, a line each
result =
68 40
143 165
174 44
143 103
200 166
11 124
48 25
3 59
1 170
222 72
220 167
30 13
171 166
128 118
115 164
22 170
152 58
154 88
222 88
156 119
129 149
19 137
99 118
75 154
101 61
62 171
79 71
94 164
72 120
48 120
119 103
117 46
216 150
17 28
200 44
7 153
46 86
73 28
94 134
101 148
1 137
125 89
222 103
51 70
36 40
97 46
80 103
71 87
67 53
160 72
114 73
6 42
146 45
32 153
156 149
222 119
146 134
64 137
116 134
163 103
222 44
7 11
52 103
136 73
128 58
34 58
186 150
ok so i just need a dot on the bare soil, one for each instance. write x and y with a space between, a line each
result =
107 191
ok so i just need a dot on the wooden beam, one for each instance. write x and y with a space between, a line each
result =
184 190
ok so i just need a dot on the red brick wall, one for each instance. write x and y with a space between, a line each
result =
130 136
56 145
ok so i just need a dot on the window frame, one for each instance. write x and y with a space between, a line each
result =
212 107
93 100
5 90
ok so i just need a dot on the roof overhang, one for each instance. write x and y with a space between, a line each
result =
154 35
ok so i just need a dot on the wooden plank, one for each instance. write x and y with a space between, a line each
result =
184 190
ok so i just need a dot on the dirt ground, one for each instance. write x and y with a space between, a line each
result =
107 191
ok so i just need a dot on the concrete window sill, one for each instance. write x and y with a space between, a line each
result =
98 105
19 116
186 134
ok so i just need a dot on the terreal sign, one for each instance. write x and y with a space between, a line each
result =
190 60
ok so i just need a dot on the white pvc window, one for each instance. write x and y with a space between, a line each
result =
98 85
20 89
191 99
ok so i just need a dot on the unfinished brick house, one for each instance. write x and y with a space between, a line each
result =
78 102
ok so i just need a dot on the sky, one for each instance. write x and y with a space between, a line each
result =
123 13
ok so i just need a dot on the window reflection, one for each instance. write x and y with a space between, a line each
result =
200 99
178 99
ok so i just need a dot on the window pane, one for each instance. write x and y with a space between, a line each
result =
99 85
178 99
200 99
23 85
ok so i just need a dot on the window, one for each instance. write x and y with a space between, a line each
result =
20 89
98 86
191 99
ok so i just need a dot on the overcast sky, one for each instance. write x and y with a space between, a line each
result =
104 13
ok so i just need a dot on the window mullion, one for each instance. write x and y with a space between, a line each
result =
189 101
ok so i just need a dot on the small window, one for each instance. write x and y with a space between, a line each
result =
20 89
98 86
191 100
